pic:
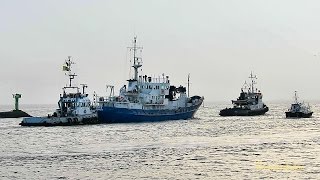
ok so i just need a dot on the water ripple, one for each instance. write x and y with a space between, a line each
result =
207 147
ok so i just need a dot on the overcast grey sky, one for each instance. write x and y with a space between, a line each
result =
218 42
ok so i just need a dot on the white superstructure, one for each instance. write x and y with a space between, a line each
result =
146 92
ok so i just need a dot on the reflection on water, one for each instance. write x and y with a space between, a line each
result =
207 147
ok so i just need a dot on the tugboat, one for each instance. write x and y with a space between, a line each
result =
74 106
249 102
16 113
299 110
147 99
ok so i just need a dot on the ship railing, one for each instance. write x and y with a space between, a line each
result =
154 104
112 99
243 102
160 80
104 99
68 100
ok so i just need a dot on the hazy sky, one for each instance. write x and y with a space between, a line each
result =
218 42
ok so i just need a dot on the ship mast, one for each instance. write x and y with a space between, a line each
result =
67 67
295 97
136 63
252 77
188 85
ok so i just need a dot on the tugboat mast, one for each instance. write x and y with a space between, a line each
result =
295 97
136 63
67 67
252 77
188 85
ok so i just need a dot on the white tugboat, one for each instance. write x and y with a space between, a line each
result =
249 102
147 99
298 109
74 106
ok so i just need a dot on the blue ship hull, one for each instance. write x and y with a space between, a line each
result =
124 115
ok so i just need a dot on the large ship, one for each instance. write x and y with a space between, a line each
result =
249 103
298 109
147 98
74 106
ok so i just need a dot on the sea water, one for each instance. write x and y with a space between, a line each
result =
206 147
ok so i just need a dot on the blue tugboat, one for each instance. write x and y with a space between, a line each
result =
147 99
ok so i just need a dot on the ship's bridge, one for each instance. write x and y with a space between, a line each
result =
147 89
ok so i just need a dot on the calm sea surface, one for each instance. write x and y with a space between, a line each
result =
207 147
